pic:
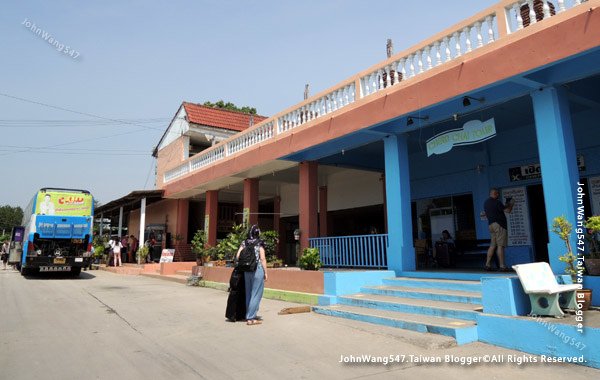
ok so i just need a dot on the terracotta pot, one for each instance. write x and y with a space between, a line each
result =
593 267
586 299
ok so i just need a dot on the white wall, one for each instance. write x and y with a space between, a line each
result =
178 127
346 188
350 188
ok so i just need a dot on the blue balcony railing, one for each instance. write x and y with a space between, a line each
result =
361 251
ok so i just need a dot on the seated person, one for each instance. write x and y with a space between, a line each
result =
446 238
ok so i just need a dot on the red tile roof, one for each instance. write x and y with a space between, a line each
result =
220 118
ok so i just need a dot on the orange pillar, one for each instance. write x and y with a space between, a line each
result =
183 214
323 211
277 221
308 202
210 217
251 201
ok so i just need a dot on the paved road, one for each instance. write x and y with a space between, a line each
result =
107 326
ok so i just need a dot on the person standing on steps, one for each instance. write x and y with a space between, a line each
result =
254 278
494 211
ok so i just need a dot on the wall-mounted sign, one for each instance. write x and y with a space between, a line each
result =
472 132
246 216
519 231
534 171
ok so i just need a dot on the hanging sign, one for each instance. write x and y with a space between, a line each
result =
519 231
206 224
534 171
472 132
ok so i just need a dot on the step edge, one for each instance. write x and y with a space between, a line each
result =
471 323
463 293
352 296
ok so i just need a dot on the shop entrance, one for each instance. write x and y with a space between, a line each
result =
539 223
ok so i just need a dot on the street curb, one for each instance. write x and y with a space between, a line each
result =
175 278
274 294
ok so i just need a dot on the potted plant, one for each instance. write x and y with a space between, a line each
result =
310 259
592 261
99 249
563 228
274 263
211 256
270 240
198 245
142 253
228 247
98 253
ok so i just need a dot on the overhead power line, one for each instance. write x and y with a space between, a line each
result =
72 111
87 123
25 150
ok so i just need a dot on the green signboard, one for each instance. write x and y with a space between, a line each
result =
63 204
472 132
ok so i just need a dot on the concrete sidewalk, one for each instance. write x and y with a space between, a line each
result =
134 327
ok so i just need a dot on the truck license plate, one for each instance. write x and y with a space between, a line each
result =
55 269
60 260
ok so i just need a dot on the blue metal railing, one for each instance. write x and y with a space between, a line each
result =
361 251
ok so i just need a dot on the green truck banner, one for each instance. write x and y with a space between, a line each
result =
63 204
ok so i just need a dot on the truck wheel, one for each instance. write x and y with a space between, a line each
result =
75 271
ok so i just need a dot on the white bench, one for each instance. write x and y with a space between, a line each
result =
546 295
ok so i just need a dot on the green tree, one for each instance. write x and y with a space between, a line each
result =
10 217
230 106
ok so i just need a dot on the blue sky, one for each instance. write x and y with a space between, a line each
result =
140 59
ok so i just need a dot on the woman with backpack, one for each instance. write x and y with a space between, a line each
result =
252 261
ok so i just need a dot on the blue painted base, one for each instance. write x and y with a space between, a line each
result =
337 283
504 296
519 255
541 337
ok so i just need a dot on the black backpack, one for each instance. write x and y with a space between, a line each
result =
247 260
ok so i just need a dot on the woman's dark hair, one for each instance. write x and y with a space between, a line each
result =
253 232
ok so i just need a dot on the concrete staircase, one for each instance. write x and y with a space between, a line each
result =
446 307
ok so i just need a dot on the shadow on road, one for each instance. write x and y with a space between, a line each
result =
59 276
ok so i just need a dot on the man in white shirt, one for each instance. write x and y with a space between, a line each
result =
47 207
